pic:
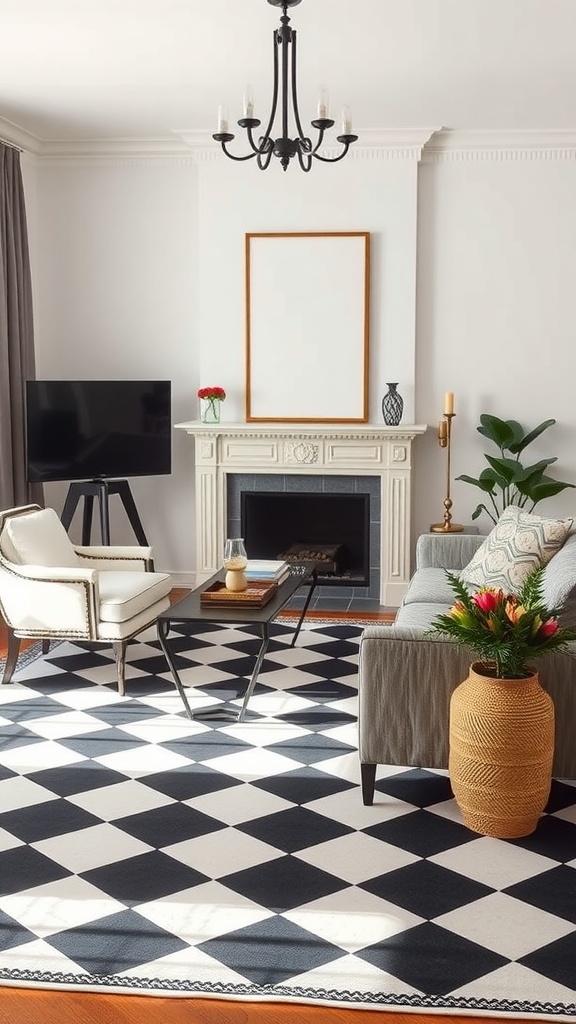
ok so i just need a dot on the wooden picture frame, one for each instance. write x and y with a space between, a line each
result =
307 326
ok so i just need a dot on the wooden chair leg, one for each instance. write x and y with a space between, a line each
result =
368 774
11 656
120 652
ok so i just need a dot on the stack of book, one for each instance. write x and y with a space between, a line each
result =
269 569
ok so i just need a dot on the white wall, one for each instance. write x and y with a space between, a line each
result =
377 195
115 270
139 271
496 317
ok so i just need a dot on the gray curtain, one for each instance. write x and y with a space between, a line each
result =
16 332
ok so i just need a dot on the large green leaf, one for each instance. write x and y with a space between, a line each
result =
483 484
480 509
508 470
547 489
502 432
522 443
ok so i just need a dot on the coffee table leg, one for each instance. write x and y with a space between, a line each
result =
311 590
255 671
162 630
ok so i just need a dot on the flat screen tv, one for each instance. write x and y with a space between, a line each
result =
90 429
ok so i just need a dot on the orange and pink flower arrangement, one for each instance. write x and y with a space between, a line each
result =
506 631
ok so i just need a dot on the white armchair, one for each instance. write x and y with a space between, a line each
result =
51 589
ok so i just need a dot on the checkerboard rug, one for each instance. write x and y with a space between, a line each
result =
141 851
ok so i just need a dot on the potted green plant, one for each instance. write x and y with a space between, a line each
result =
507 481
501 736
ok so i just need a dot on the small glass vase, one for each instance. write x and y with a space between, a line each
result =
235 562
210 410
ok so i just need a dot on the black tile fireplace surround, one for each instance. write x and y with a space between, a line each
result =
273 512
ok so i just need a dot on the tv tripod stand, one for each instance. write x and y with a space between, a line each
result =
101 489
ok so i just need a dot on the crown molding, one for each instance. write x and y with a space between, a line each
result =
452 145
429 144
19 138
374 143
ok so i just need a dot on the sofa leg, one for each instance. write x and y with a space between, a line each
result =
368 774
11 656
45 645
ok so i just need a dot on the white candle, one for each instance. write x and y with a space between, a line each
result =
346 121
248 102
449 403
323 104
222 120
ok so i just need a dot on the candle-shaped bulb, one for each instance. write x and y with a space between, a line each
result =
449 403
323 104
346 121
248 102
222 120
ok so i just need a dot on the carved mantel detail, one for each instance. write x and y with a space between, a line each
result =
366 450
301 452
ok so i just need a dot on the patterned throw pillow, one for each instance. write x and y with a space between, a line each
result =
519 543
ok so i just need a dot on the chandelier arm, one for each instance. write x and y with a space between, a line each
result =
249 156
294 91
332 159
285 35
274 87
321 134
263 159
305 160
265 143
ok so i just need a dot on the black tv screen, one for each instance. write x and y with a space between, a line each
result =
89 429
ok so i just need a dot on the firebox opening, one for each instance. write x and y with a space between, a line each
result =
278 524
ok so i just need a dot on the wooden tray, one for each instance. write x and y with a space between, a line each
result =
256 595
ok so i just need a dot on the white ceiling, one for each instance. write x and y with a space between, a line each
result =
144 69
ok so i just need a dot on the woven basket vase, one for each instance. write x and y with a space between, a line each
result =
501 748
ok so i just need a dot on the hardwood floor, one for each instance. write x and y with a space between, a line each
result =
36 1006
27 1006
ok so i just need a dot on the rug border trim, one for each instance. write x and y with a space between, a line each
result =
440 1005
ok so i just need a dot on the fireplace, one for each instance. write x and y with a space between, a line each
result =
346 510
343 459
331 529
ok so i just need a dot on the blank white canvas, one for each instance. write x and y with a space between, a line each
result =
307 325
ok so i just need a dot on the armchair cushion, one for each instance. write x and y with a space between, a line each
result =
38 538
518 543
125 594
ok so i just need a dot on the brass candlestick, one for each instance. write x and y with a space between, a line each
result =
444 436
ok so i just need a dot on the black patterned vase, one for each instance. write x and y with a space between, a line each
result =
392 406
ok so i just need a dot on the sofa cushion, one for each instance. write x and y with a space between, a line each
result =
519 543
421 614
38 538
559 582
430 586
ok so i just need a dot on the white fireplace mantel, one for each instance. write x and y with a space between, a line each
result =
313 449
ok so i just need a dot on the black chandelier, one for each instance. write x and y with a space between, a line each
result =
283 146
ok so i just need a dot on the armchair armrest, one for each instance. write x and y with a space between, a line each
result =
446 550
55 573
120 558
48 600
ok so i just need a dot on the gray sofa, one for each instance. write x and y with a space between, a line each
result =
406 678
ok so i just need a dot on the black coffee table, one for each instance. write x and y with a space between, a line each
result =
190 609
